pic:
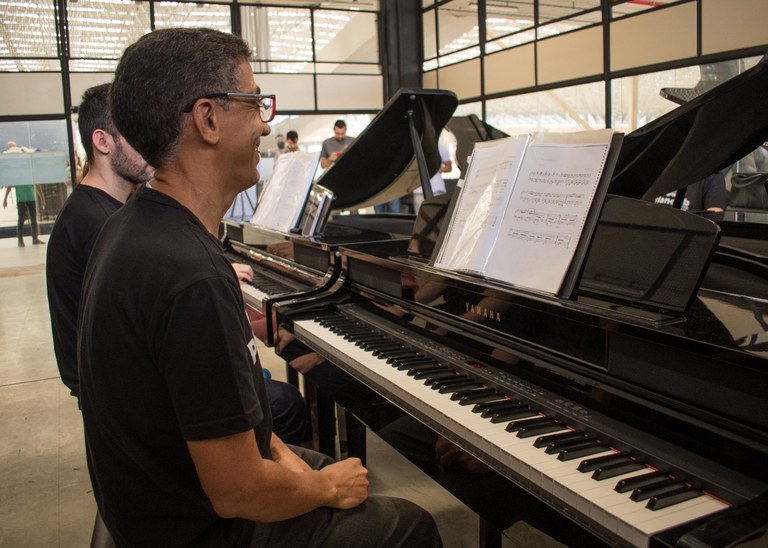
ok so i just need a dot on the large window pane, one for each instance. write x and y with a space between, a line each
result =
430 35
49 140
457 26
561 9
279 34
184 14
573 108
346 36
27 31
100 31
505 18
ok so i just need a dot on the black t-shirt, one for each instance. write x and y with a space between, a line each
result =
70 244
166 355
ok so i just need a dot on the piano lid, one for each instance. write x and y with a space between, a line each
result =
703 136
379 164
469 130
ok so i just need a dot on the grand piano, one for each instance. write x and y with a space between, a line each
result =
636 408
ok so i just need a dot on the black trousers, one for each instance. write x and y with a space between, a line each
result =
25 208
387 522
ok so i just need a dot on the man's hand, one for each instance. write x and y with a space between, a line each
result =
304 364
243 271
451 458
351 481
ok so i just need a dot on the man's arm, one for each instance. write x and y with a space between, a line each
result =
239 483
5 199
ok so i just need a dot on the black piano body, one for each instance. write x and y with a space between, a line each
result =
670 401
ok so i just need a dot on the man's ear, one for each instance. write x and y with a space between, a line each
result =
101 141
206 121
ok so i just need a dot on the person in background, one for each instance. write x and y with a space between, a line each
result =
436 182
709 194
291 141
177 426
25 200
334 147
291 145
114 172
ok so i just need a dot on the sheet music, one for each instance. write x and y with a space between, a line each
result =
547 209
282 200
485 192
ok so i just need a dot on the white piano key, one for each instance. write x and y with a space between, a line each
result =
253 296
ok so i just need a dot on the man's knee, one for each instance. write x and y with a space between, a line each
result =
404 523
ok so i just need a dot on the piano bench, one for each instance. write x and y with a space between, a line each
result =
101 538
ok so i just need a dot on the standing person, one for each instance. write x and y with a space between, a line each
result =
333 147
436 182
179 435
291 145
291 141
25 200
115 171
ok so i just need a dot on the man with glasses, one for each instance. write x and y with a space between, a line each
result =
180 444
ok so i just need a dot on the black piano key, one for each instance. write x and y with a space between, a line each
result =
413 357
429 372
590 465
403 365
544 441
479 396
630 484
583 451
673 497
618 469
433 364
404 353
368 339
561 445
656 489
458 394
517 425
531 431
457 377
513 414
448 387
489 407
385 350
445 375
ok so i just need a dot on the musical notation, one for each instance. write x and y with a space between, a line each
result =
558 199
536 217
540 238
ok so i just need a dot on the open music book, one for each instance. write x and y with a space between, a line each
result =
527 206
282 200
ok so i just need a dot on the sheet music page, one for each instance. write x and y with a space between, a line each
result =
548 209
484 195
282 200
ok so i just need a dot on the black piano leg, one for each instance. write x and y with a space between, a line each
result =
355 437
322 418
490 537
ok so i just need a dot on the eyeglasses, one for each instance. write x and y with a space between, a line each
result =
266 103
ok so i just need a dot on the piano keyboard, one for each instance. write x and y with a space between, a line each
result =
261 288
625 497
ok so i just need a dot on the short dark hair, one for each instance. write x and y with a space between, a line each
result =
93 114
339 123
163 71
292 136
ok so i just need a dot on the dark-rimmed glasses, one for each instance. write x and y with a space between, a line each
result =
266 103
